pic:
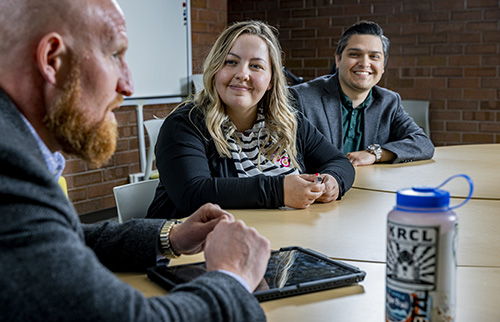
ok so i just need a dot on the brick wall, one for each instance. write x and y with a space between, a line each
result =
92 189
208 19
447 52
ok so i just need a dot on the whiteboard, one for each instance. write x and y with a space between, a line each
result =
159 51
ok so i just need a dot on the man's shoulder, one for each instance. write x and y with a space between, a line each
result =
314 84
384 91
387 96
21 143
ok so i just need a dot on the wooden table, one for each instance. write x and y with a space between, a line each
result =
350 229
477 297
355 228
481 162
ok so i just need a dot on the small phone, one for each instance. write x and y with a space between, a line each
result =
290 271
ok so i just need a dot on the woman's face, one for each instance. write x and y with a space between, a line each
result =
245 77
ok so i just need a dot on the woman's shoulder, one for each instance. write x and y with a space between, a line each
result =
187 112
186 118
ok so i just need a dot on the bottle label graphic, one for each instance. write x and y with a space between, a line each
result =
413 292
411 258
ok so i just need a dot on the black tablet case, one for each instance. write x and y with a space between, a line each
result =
291 271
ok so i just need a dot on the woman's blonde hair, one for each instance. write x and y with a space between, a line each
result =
280 119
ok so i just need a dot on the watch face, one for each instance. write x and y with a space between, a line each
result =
376 150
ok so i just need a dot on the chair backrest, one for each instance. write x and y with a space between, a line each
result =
197 82
152 128
64 185
419 111
133 199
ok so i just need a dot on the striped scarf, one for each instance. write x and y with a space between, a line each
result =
245 153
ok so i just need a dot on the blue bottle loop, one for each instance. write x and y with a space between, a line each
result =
429 198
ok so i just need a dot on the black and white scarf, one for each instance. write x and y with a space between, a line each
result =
245 153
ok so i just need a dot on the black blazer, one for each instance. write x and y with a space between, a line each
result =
192 172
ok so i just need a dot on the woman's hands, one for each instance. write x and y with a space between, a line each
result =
300 191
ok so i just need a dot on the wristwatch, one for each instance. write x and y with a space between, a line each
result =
376 150
165 246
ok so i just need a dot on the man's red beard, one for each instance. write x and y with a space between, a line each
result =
66 120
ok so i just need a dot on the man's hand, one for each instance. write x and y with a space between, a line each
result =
300 191
359 158
234 247
189 237
364 157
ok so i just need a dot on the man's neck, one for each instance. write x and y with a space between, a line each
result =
357 98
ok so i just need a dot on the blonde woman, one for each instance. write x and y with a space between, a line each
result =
239 143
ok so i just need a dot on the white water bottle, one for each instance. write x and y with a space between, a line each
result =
422 255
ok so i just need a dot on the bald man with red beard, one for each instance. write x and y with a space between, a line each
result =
62 74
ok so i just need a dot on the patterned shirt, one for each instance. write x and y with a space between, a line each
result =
352 120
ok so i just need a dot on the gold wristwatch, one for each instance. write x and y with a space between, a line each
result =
165 246
376 150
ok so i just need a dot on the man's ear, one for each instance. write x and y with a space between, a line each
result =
337 60
49 56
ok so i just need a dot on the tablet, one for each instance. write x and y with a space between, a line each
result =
290 271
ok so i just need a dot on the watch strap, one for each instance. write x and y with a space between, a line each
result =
376 150
165 246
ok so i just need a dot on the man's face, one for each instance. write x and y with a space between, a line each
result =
78 134
361 64
82 119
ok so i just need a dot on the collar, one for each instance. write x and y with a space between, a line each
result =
55 161
347 103
229 128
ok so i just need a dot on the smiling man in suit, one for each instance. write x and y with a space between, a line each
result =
364 120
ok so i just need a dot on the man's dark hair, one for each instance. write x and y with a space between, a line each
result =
364 28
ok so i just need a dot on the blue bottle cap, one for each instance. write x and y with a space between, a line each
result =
422 197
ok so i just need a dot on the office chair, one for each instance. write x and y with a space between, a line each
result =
64 185
294 79
152 128
133 199
419 111
197 82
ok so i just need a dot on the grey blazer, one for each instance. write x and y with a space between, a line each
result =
384 120
52 268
